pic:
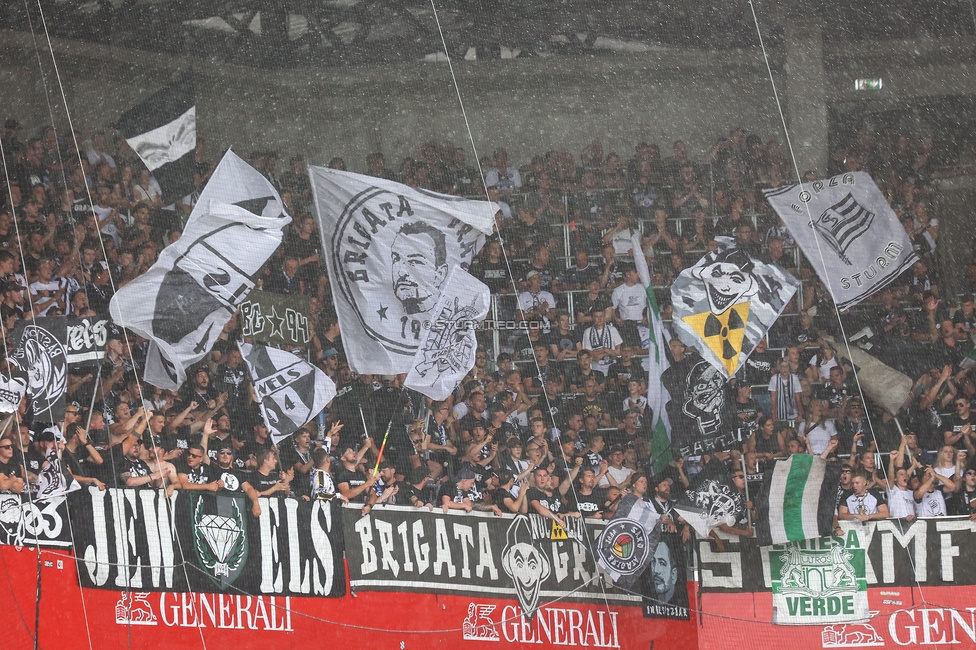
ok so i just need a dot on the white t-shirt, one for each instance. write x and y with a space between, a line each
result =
629 302
53 286
528 301
901 503
819 436
932 504
606 338
619 475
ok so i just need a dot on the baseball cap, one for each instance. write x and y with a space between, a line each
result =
531 274
464 474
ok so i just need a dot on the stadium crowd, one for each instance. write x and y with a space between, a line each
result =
553 417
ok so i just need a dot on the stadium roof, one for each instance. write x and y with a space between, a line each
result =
295 33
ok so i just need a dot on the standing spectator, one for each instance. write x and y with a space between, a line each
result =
784 391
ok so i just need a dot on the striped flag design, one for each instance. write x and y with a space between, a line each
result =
794 498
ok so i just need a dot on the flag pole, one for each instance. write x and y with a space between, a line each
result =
745 480
386 435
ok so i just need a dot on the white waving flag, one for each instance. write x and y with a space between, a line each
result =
290 391
183 301
847 230
389 249
447 347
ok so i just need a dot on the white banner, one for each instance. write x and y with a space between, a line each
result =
389 250
847 231
182 303
447 347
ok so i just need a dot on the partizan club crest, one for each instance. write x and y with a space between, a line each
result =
391 258
623 546
220 537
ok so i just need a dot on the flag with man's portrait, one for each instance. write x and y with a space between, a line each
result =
448 346
389 250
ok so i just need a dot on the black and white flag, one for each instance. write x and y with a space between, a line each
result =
183 301
847 230
13 387
39 353
290 391
447 347
389 250
54 479
162 131
85 342
711 500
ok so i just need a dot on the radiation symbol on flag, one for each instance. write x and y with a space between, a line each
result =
723 333
557 532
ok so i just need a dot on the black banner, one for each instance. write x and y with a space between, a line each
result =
664 583
139 540
927 552
40 354
85 343
34 523
527 557
276 319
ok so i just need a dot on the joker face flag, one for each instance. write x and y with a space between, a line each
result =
726 303
389 250
847 230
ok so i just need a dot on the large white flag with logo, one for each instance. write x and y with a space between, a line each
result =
183 301
448 345
290 390
847 230
389 250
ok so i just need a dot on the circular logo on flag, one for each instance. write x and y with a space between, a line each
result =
623 546
41 356
392 255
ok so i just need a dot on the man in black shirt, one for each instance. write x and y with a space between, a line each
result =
459 494
963 502
266 480
386 489
235 481
589 500
543 500
349 480
11 474
195 472
959 429
134 472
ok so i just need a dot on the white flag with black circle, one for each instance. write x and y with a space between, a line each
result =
448 345
290 391
162 130
389 249
183 302
848 232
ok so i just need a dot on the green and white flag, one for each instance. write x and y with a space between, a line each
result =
794 498
657 394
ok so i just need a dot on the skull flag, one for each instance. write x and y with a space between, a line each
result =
725 304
